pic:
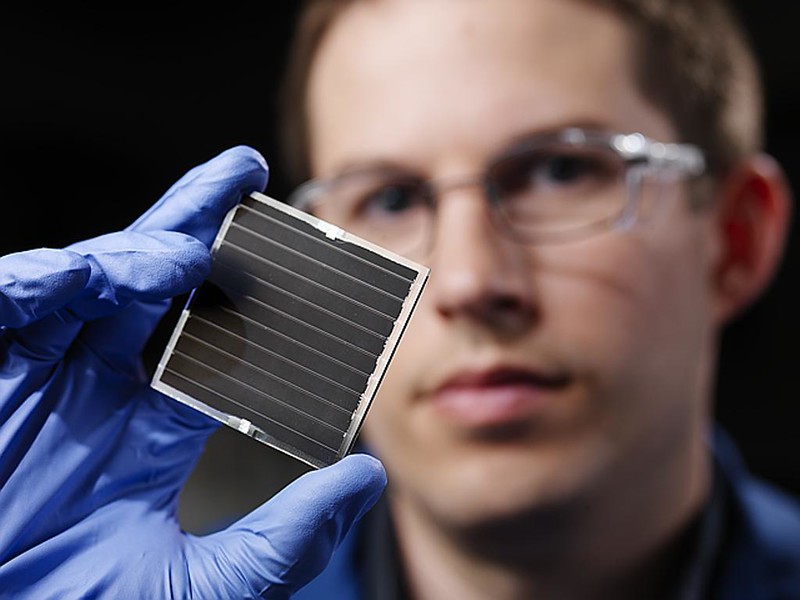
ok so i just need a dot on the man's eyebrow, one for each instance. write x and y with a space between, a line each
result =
526 137
373 166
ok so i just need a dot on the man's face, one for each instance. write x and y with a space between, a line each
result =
530 375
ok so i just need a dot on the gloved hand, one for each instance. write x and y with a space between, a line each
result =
92 459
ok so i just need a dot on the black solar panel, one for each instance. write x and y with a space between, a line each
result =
289 337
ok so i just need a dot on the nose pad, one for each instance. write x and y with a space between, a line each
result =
648 195
631 213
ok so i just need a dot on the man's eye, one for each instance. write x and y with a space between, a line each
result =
393 198
565 169
543 171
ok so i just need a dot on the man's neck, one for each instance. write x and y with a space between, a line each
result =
627 544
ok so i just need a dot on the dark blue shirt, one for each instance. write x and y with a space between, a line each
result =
744 545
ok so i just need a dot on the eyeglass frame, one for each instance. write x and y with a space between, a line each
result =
641 155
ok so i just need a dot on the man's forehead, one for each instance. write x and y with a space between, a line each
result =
555 61
545 23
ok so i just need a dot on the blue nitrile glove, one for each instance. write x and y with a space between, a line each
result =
92 459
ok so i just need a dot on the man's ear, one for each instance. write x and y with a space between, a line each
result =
752 221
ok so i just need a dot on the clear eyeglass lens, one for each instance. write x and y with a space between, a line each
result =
556 190
553 191
391 210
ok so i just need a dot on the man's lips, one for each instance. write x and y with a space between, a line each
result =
497 397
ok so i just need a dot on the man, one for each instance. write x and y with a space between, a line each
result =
546 423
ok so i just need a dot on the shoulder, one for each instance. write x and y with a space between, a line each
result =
764 549
772 516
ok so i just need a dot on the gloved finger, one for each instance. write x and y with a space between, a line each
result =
195 206
135 276
127 266
198 202
120 341
35 283
122 268
284 544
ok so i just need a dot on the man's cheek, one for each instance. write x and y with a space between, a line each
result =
593 320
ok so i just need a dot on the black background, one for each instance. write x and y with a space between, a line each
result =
104 107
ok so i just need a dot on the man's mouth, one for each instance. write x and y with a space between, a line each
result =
498 397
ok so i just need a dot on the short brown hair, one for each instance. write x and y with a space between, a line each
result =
693 61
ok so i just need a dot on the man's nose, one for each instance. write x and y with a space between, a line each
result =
478 273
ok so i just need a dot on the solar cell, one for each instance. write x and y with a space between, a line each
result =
289 337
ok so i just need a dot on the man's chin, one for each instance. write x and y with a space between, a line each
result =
509 493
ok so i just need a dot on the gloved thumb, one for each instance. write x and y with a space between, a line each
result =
284 544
